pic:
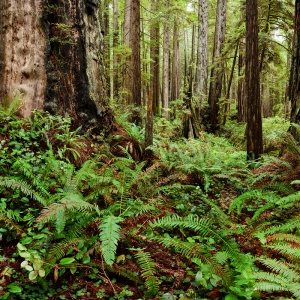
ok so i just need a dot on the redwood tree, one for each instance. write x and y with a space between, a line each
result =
294 85
254 119
52 52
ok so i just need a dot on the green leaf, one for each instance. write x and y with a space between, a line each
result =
231 297
38 236
67 261
26 241
24 254
29 268
42 273
24 264
15 289
32 275
73 270
86 259
21 247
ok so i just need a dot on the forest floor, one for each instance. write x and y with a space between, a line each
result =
195 222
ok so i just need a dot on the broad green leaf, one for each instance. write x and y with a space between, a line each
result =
32 275
15 289
86 259
21 247
24 254
42 273
29 268
24 263
67 261
73 270
38 236
26 241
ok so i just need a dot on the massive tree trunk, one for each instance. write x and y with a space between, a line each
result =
52 53
254 119
294 84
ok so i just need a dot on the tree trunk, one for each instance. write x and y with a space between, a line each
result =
217 70
175 80
242 101
254 119
166 66
202 53
294 82
53 54
116 60
136 63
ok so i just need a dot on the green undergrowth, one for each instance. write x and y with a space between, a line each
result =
194 223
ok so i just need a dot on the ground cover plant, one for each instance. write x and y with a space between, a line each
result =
195 222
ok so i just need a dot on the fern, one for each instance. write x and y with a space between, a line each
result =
109 236
57 211
23 187
199 225
148 271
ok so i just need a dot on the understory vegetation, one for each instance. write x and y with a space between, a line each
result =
194 222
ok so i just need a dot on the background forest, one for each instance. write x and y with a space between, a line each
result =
177 177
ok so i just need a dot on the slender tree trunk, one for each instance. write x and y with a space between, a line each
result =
175 63
242 101
294 82
166 68
54 55
202 53
116 59
227 104
254 119
217 70
126 72
136 63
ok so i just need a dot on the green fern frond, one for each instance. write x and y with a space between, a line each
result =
9 223
289 201
123 272
281 268
269 287
289 226
27 170
185 248
23 187
286 250
271 277
11 107
199 225
56 211
148 271
109 236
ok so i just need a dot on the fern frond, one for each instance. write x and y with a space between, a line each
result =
286 250
271 277
123 272
185 248
109 236
9 223
57 211
193 222
148 271
24 187
281 268
289 226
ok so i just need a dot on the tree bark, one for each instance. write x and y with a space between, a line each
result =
242 101
254 119
136 63
53 54
202 53
166 66
217 70
294 82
